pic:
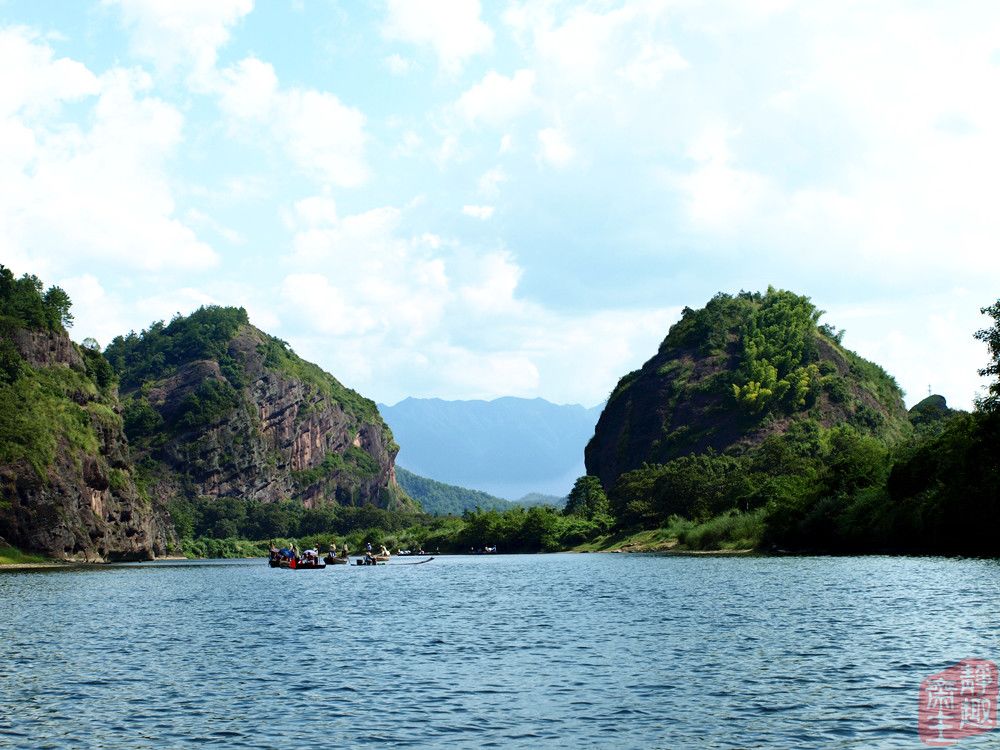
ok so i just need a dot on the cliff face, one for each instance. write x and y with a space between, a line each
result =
728 376
251 420
65 474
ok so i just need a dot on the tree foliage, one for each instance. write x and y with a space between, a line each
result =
23 304
779 350
159 350
588 500
991 337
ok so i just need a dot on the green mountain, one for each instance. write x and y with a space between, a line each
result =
67 483
440 499
216 408
106 456
729 376
753 426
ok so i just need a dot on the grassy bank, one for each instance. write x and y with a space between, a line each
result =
13 556
729 532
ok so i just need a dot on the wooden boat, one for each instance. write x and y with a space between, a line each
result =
331 560
297 564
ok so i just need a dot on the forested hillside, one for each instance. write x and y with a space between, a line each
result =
753 425
216 408
67 485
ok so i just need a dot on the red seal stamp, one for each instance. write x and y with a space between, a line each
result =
960 701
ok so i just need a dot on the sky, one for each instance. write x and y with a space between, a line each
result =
455 199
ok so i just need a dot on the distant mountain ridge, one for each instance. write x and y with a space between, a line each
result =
509 447
441 499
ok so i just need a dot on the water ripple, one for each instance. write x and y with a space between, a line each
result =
519 652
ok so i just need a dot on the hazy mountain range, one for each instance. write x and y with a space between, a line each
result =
509 447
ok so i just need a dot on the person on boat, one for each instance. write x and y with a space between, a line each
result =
368 547
343 552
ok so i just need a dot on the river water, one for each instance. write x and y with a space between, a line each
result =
567 651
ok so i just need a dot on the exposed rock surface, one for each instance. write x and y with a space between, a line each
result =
289 431
69 491
681 401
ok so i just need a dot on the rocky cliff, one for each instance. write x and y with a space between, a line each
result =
733 373
216 408
66 481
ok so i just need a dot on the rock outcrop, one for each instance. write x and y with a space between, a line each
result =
704 389
250 420
66 477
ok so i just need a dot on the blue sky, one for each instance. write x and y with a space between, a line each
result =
465 200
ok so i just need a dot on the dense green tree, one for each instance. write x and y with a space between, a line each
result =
57 306
588 500
24 305
991 337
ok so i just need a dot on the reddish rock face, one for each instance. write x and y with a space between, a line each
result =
287 438
679 403
85 505
277 436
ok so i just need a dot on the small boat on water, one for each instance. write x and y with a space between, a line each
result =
293 563
331 560
288 558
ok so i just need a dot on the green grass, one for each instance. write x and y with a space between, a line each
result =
13 556
648 539
38 414
730 531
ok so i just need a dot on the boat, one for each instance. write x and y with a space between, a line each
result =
331 560
315 564
293 563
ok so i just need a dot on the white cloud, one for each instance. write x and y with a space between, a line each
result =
497 99
75 194
181 33
97 314
717 195
651 65
368 302
34 83
198 218
398 65
451 28
478 212
249 90
493 291
885 333
490 181
324 306
555 148
323 137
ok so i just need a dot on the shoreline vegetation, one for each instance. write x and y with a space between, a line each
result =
751 429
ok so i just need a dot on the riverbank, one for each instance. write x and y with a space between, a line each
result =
732 533
13 558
